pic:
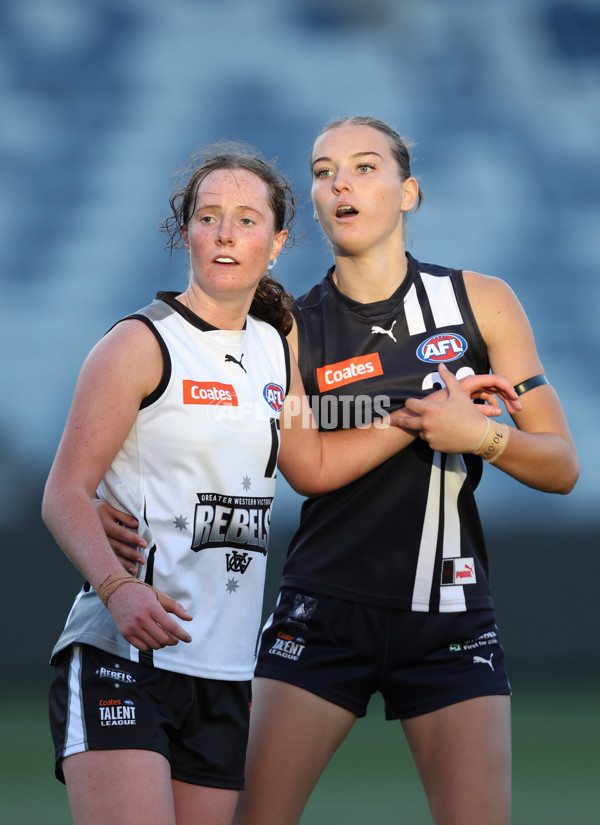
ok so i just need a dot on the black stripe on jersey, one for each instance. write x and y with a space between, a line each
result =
272 462
286 355
434 599
146 657
166 373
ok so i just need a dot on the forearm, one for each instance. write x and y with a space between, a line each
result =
70 516
315 462
337 458
544 461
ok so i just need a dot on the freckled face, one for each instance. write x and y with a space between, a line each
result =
231 235
357 191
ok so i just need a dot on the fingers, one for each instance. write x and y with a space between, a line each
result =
154 635
118 526
143 621
416 406
129 557
166 625
108 513
409 423
171 606
485 386
168 631
448 377
119 533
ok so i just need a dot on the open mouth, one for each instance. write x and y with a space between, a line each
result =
344 210
225 260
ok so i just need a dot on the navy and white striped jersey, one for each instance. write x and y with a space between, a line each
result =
407 535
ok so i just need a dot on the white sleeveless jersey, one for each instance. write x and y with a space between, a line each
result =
198 470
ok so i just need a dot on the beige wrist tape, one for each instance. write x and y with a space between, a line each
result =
115 580
494 442
483 437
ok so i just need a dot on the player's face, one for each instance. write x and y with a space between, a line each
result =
230 237
357 191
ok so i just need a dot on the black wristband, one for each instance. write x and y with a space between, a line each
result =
536 381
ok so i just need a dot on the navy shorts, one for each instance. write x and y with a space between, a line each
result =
99 701
344 652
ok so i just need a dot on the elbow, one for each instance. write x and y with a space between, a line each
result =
566 481
47 509
570 479
306 490
51 510
307 481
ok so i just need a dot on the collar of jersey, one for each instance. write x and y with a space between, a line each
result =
170 298
376 309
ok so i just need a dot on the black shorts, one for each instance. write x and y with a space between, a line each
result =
99 701
345 652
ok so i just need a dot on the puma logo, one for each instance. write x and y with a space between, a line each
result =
382 331
483 661
235 361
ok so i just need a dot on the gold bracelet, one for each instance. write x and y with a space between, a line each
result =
495 443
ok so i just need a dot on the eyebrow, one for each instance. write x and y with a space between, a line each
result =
355 155
242 207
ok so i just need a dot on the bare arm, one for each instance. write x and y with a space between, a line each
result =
119 372
540 451
314 462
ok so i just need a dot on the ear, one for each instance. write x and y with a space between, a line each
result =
410 197
278 243
184 236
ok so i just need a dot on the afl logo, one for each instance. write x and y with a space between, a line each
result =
445 347
273 395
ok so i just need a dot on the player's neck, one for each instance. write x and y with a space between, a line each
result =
367 280
224 313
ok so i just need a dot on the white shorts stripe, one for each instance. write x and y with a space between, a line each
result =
76 735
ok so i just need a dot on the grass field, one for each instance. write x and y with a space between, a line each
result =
372 778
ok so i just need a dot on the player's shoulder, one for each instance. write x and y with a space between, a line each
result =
313 297
488 287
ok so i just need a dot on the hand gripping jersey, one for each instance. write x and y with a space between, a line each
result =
406 535
198 470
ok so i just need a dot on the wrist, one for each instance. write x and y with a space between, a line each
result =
111 583
483 438
494 442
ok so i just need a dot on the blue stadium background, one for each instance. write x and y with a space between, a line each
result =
102 101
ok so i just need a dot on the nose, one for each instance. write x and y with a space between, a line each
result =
341 181
225 233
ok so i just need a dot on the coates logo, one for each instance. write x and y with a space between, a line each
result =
346 372
209 392
445 347
273 395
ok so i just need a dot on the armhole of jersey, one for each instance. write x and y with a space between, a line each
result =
303 354
458 280
286 355
166 359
